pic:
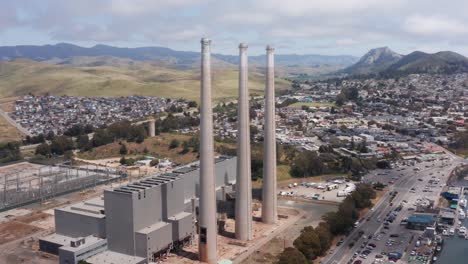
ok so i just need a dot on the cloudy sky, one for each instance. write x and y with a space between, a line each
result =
293 26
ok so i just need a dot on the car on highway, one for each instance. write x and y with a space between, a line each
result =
340 242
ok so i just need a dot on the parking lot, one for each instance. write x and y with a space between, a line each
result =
382 236
335 191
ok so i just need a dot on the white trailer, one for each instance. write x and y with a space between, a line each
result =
342 194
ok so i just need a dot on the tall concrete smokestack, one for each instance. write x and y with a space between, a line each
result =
152 127
207 246
269 211
243 181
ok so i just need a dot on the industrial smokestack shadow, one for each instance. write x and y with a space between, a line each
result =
227 234
257 218
186 254
257 194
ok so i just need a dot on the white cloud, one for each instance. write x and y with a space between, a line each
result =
247 18
308 26
310 7
346 42
305 31
434 26
139 7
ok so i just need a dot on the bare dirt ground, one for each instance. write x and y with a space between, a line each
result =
23 167
8 132
269 252
230 248
14 230
7 106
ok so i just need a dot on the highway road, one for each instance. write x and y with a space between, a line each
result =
373 224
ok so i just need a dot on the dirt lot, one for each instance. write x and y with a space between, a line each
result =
14 230
270 251
229 247
23 168
7 106
24 225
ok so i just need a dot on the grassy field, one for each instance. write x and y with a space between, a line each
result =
156 146
8 132
136 78
282 173
461 152
312 104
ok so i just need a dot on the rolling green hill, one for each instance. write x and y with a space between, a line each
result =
386 63
120 77
440 62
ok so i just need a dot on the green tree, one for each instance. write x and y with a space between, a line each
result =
74 131
340 99
9 152
154 162
308 243
43 149
174 144
307 163
50 135
192 104
101 137
325 236
291 255
82 141
61 144
123 149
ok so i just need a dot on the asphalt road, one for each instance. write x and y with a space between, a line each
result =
407 178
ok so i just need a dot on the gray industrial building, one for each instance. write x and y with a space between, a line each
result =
136 222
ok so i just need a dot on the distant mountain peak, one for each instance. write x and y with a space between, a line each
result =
375 59
379 55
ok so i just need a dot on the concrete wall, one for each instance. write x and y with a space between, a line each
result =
172 197
68 255
225 172
182 226
78 225
190 181
148 209
147 244
119 221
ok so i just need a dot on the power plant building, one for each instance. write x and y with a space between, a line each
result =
136 222
140 221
